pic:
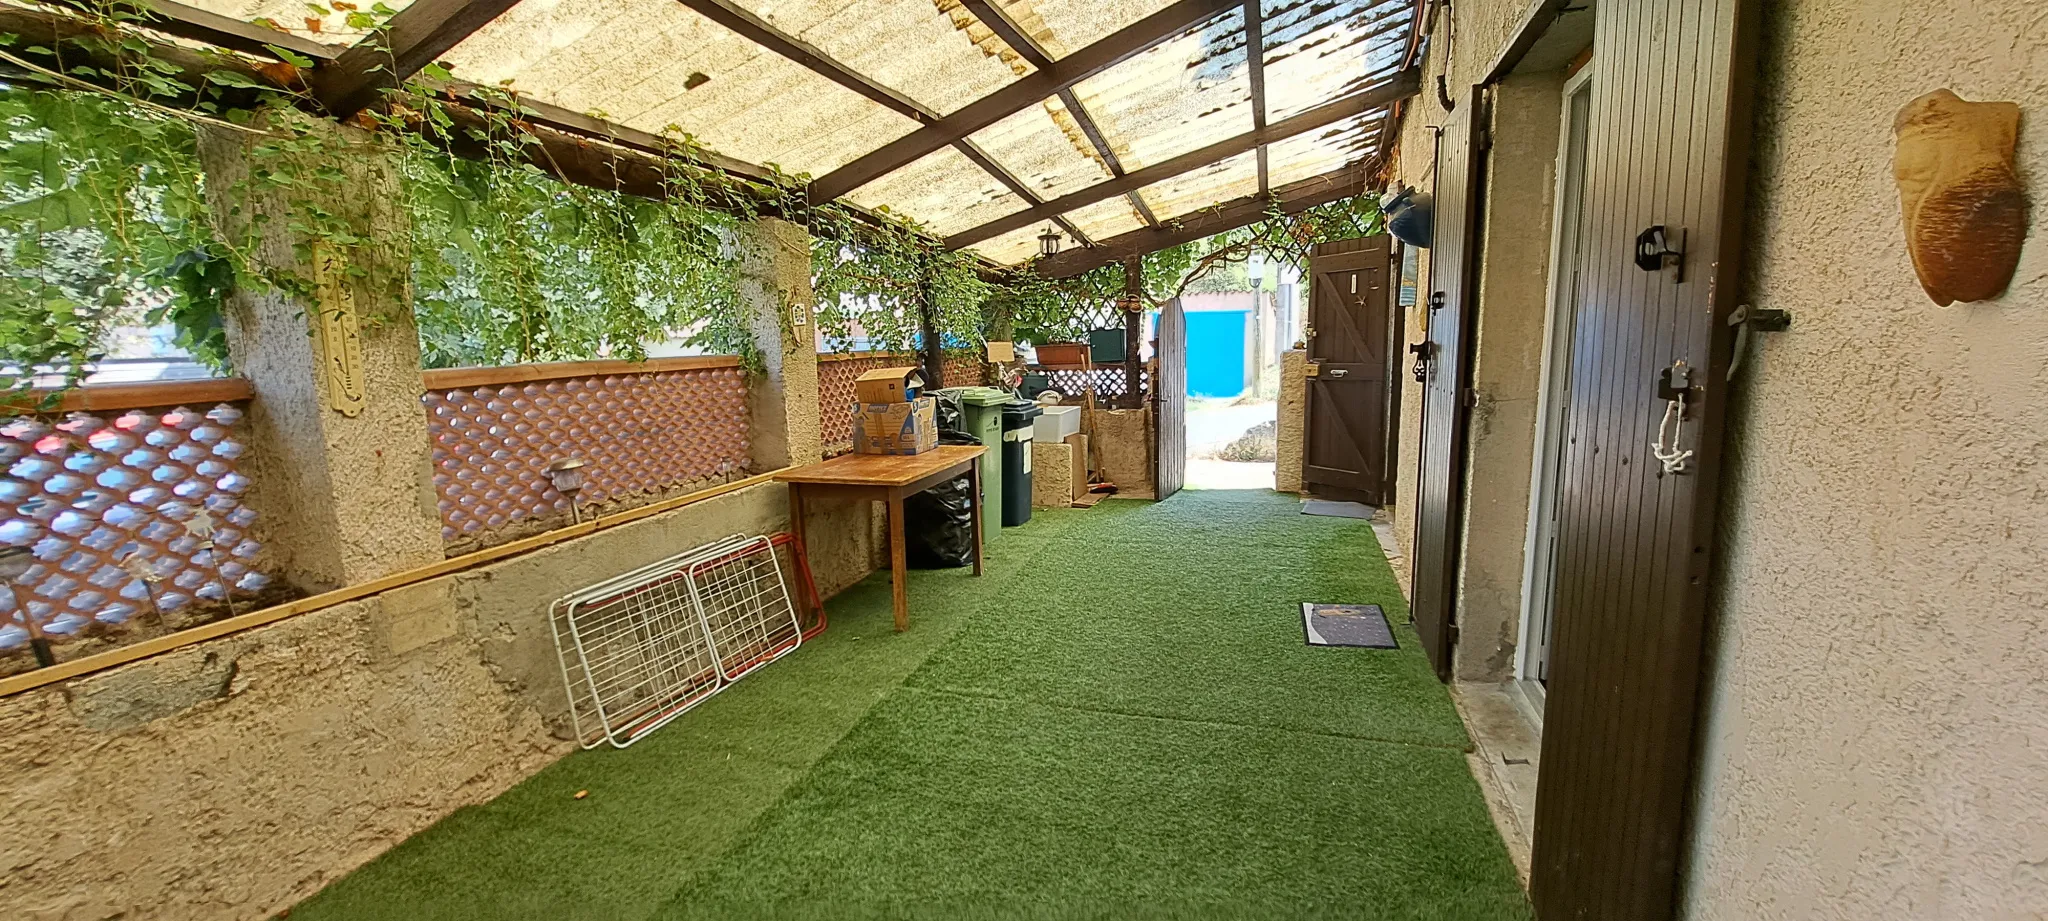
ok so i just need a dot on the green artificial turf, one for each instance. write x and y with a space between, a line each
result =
1119 721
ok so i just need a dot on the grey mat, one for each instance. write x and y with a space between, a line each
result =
1363 625
1332 509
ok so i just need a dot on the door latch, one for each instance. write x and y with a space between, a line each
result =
1436 300
1674 387
1747 319
1421 351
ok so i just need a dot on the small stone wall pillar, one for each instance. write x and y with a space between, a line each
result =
339 451
1293 421
775 291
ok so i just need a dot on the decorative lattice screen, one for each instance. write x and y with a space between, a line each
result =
1108 382
639 433
963 369
835 393
137 515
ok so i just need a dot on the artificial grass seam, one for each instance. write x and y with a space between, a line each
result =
1133 714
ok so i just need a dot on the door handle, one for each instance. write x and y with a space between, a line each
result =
1336 372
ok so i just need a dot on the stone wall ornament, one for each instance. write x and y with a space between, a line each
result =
1965 213
338 334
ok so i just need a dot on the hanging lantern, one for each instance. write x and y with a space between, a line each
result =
1049 242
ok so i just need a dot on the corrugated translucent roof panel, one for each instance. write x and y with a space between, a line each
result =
1066 26
1192 191
1318 51
1184 93
1044 147
1014 247
1323 150
934 57
652 63
944 191
1105 218
296 17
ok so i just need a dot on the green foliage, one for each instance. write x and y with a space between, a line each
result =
101 223
872 283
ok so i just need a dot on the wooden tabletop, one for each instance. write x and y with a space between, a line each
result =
882 469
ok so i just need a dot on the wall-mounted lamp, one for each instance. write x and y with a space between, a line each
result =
566 475
15 563
1049 242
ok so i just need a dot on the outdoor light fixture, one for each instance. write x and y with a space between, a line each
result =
1049 242
566 474
15 563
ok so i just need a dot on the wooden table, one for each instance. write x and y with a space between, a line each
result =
889 478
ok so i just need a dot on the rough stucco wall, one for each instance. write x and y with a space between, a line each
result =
775 291
233 778
1124 439
1483 26
1875 729
1292 420
1507 364
341 500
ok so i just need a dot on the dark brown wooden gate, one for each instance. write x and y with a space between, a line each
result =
1170 401
1670 123
1351 384
1445 365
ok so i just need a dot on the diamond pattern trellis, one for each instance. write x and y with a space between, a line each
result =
638 432
142 510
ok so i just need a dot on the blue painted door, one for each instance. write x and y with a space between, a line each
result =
1216 346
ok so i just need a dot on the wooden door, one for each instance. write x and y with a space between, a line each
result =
1670 129
1445 370
1350 384
1170 401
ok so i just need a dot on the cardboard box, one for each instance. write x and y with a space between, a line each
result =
888 385
896 428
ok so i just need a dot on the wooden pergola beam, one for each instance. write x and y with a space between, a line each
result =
757 30
1289 199
200 25
1403 85
980 158
1118 47
1255 71
411 40
1030 50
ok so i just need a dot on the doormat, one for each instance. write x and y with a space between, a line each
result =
1363 625
1332 509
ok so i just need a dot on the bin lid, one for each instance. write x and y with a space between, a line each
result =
978 396
1019 414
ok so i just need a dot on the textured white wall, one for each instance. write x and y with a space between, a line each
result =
1876 728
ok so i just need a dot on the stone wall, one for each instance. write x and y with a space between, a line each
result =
233 778
1293 421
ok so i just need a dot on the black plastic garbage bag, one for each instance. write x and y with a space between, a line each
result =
938 524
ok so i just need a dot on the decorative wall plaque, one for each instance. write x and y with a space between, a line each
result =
338 337
1965 212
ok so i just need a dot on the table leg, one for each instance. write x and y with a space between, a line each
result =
897 563
974 502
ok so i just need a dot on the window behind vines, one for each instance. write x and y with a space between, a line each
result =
105 244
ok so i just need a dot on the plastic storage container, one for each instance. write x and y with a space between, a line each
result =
1017 420
981 410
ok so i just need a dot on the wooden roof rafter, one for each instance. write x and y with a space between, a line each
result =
412 39
1402 86
1029 90
1292 198
191 22
1028 48
1255 72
